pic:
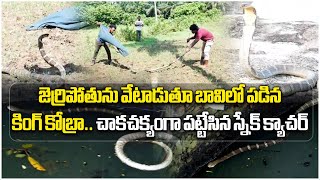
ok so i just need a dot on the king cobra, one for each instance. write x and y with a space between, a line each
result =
43 78
49 60
310 79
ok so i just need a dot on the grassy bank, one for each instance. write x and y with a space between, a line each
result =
162 46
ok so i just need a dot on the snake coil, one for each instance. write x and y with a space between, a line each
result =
134 136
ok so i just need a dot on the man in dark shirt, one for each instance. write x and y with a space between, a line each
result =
207 38
100 42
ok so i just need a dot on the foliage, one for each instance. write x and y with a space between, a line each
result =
188 9
160 27
134 7
127 34
35 164
167 7
107 13
150 12
174 16
182 16
103 12
214 14
21 153
148 20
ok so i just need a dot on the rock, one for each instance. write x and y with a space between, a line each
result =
306 164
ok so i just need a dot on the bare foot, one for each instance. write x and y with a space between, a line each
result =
205 63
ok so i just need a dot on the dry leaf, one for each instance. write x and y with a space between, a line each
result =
27 146
36 164
9 152
20 155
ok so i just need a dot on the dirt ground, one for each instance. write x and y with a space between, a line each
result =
286 43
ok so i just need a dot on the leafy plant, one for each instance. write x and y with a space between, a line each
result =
127 33
135 7
175 16
188 9
103 12
24 152
161 27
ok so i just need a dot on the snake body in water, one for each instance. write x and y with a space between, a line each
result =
309 79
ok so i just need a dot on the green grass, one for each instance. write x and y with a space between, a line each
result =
77 47
217 28
150 46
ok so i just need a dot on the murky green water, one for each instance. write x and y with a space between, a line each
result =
89 159
284 160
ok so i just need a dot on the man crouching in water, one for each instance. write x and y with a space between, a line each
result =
206 37
100 42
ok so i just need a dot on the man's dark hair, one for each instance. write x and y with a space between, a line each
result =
194 27
113 26
139 17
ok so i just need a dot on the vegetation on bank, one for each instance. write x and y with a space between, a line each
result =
171 16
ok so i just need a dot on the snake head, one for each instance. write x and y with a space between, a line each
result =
248 9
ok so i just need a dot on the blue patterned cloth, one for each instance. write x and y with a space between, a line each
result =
106 36
68 19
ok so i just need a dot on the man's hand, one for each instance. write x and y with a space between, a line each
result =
98 23
188 40
117 49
